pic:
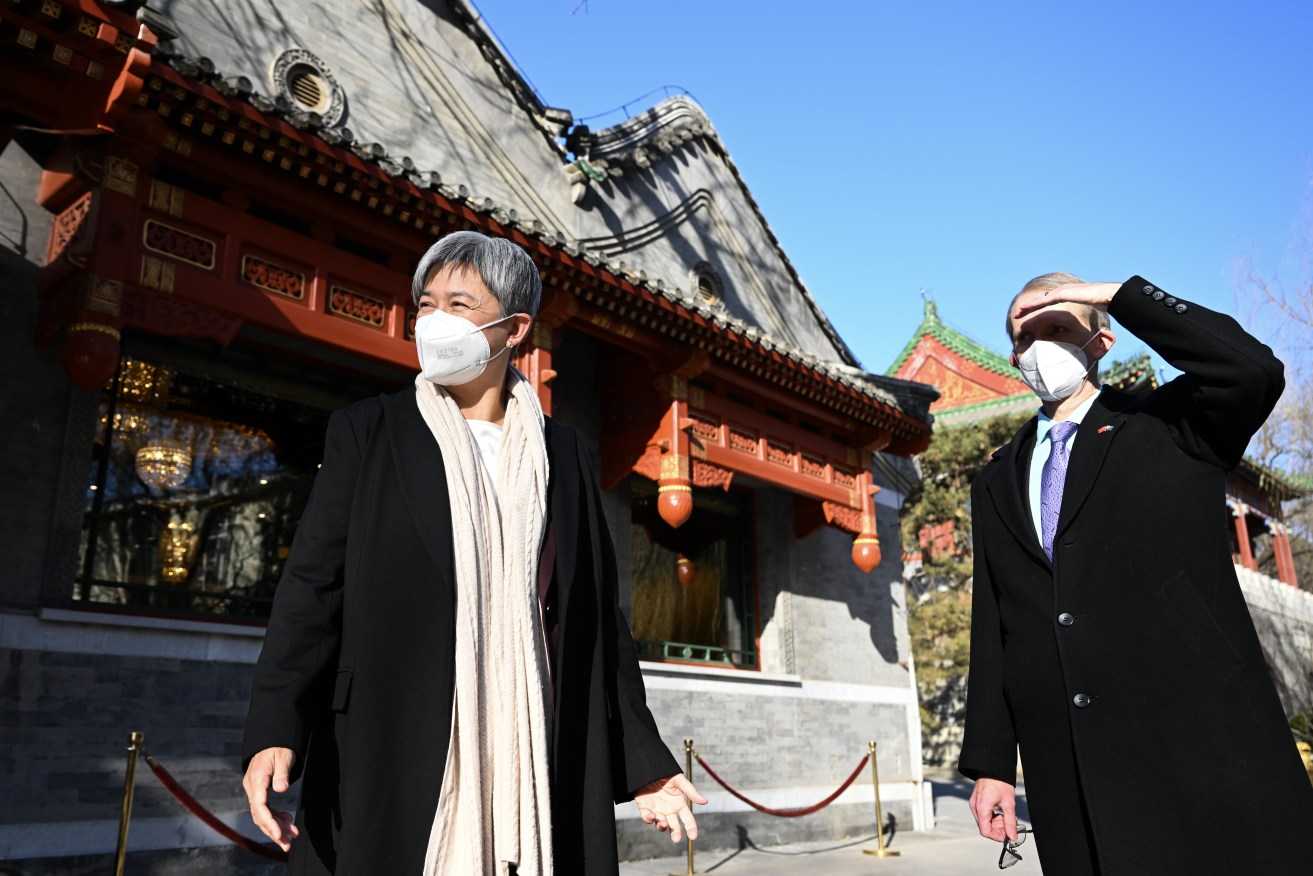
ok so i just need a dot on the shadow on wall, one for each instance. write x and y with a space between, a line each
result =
13 233
828 567
239 19
881 584
820 566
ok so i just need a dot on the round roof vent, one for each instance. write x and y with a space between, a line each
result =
307 88
705 283
303 78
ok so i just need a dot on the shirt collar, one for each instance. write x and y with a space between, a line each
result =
1046 422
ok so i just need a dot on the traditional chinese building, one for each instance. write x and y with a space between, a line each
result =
210 221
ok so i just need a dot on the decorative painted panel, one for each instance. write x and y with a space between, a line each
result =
357 306
178 244
273 277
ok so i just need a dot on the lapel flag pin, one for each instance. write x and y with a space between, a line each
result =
1103 429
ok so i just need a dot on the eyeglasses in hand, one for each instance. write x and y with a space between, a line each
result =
1010 855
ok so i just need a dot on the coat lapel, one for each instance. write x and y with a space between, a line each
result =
1007 484
1097 431
423 477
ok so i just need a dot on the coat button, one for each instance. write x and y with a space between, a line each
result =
1159 295
1181 308
1169 301
1081 700
1066 619
1148 290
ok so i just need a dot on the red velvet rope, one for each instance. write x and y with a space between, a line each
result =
266 850
788 813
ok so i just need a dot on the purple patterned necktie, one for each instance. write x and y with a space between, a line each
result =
1051 481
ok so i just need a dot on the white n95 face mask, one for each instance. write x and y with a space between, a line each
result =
1053 370
452 350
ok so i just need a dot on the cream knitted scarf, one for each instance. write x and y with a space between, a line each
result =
494 809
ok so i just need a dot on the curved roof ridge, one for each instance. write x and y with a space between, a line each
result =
647 126
671 122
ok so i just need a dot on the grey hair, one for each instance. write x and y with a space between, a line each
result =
503 266
1098 319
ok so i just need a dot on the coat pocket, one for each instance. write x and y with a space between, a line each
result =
341 690
1204 636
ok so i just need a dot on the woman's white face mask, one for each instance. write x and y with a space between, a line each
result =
452 350
1054 370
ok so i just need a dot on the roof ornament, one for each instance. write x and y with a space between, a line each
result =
580 173
931 308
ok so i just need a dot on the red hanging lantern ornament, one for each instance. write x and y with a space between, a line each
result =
684 570
91 353
866 551
866 547
91 348
674 501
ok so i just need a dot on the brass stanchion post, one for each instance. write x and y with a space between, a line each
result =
880 852
135 740
688 774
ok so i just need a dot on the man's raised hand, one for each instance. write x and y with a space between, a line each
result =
1093 294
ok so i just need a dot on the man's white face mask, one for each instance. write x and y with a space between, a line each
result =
452 350
1054 370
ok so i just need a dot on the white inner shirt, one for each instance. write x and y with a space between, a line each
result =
487 437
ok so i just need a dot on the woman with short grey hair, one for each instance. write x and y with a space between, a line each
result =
446 663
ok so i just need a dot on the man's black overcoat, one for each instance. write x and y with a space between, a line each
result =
1128 670
357 671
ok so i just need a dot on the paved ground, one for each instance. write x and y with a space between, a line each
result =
952 848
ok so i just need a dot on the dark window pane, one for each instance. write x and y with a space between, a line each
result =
196 486
693 587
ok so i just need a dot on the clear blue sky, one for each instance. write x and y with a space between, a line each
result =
965 147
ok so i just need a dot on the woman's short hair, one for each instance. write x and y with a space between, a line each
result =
503 266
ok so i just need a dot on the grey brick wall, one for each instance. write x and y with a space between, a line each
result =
68 716
848 626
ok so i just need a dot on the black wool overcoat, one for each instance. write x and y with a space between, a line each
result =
1127 670
358 666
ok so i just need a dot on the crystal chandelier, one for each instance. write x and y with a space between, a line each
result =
163 465
177 544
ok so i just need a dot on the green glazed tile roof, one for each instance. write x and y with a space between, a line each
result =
1276 481
1127 373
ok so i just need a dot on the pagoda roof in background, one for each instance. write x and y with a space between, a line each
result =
974 381
953 339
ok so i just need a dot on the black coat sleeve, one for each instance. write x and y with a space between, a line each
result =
294 674
989 744
1231 380
639 756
